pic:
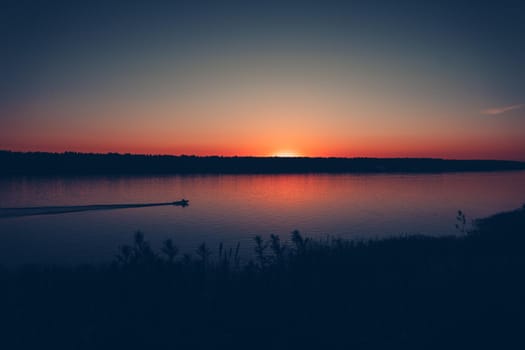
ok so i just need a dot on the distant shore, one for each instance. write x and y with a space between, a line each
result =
71 163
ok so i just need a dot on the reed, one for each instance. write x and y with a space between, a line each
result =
462 291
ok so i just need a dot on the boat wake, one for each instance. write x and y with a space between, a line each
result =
30 211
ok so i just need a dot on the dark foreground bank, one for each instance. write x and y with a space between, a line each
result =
70 163
414 292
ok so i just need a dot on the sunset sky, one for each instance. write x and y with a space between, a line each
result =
349 78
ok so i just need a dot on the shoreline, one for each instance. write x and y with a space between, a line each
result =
407 292
73 164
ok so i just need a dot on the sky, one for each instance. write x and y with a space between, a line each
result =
347 79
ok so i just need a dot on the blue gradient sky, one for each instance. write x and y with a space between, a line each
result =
353 78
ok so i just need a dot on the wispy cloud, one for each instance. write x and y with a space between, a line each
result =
501 110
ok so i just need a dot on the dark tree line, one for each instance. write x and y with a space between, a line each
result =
71 163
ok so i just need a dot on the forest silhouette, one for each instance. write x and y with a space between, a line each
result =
72 163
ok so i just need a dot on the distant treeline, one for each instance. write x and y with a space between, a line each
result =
72 163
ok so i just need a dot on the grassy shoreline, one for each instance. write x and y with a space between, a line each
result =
406 292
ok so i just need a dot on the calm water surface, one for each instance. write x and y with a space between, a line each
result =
233 209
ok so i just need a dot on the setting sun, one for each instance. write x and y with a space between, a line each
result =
286 154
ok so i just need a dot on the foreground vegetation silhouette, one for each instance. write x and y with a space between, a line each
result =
465 291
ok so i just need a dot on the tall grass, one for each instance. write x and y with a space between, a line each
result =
297 293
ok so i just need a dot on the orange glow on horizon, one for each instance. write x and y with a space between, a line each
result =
287 125
386 149
286 154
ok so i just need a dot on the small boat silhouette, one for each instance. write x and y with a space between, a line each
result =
183 202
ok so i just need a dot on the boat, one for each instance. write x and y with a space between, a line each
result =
183 202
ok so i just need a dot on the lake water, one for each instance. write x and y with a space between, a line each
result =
235 208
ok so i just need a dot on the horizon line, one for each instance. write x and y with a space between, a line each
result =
251 156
